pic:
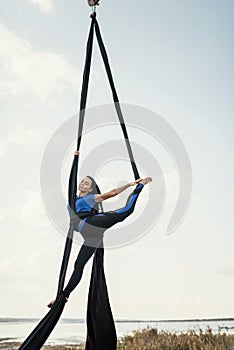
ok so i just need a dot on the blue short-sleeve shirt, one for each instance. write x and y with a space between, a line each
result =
84 203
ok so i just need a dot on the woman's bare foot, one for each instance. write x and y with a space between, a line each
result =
145 181
51 303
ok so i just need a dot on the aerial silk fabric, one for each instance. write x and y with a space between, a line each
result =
101 333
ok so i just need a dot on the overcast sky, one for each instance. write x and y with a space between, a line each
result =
172 57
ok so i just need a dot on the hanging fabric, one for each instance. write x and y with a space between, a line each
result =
101 333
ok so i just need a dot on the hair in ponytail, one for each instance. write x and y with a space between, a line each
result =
96 190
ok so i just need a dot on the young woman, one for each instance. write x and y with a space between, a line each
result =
92 224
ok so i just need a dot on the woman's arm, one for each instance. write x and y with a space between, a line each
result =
72 187
114 192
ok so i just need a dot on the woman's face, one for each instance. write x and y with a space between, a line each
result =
85 185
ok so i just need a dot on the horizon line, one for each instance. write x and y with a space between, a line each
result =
127 320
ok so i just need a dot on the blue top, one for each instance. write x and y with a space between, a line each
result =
84 203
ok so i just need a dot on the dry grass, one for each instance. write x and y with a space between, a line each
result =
152 339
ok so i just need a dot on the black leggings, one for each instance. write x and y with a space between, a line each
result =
92 232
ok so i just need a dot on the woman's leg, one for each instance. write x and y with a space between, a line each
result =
86 251
128 209
110 218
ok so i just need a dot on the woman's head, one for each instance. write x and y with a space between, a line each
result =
89 185
86 185
94 186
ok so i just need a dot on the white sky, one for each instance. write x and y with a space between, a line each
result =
174 57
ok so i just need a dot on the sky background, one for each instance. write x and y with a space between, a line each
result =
173 57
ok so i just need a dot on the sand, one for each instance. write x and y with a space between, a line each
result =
15 346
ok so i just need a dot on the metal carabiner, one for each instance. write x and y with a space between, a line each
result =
93 3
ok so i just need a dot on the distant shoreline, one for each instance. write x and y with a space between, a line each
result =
78 320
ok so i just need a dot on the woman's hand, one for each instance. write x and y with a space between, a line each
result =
77 153
135 182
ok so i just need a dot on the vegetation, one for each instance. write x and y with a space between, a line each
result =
152 339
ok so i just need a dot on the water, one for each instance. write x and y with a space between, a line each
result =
73 331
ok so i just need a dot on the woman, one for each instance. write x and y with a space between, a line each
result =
92 224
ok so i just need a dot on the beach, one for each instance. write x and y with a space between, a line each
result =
16 345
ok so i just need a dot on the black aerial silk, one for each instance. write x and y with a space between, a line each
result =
101 333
